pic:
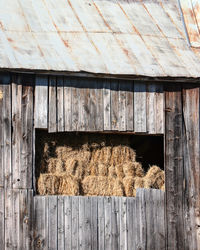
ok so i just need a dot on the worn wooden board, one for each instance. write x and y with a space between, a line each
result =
191 200
151 108
5 131
114 87
6 81
67 104
174 168
160 105
140 112
75 104
101 223
122 106
52 222
68 222
108 223
106 104
2 218
129 106
41 102
61 223
60 104
52 110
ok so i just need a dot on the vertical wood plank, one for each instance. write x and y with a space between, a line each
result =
129 106
174 168
115 223
2 218
8 219
140 107
93 106
108 224
151 108
17 131
114 86
68 222
99 104
41 102
94 224
123 223
75 212
52 122
67 104
41 222
75 104
61 223
7 144
106 104
159 109
53 222
122 105
131 223
87 236
101 223
1 132
191 110
81 229
60 103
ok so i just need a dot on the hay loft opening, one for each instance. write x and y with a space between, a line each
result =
72 163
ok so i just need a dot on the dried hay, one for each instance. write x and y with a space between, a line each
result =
128 183
94 169
102 186
53 184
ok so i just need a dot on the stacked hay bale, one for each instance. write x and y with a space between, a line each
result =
95 169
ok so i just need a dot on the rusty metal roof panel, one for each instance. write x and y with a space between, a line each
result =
122 37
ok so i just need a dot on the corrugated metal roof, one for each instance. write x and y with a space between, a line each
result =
99 36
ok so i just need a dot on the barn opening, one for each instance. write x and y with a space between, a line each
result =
99 164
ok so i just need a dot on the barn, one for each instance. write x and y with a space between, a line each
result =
112 73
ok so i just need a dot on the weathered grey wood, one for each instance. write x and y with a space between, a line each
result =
7 132
108 224
26 170
99 104
67 104
140 107
174 168
129 106
87 234
17 131
1 133
106 104
81 223
191 200
122 106
41 222
123 223
52 121
160 109
114 86
61 223
151 108
75 213
68 222
41 102
8 219
75 104
52 222
94 223
160 222
2 218
93 106
115 223
60 103
150 201
101 223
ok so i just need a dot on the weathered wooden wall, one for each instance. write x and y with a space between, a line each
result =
75 104
68 104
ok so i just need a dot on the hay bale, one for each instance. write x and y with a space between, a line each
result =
128 183
96 185
119 171
112 172
116 188
102 170
139 171
129 169
155 178
69 185
48 184
139 182
74 168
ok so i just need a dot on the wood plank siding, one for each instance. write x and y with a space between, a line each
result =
153 219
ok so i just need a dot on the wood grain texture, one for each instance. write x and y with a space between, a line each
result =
41 102
140 111
129 106
191 201
174 168
2 218
60 104
114 86
67 104
52 121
